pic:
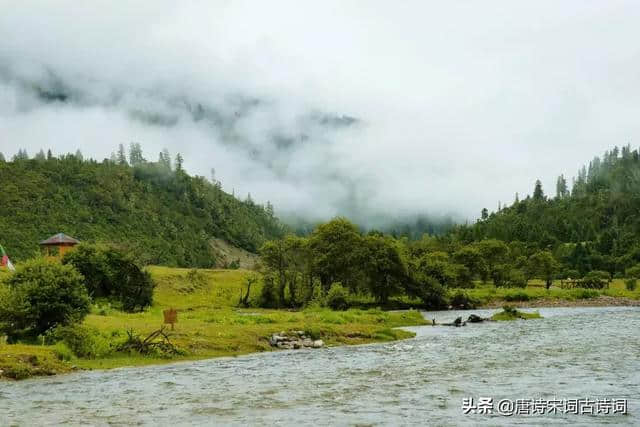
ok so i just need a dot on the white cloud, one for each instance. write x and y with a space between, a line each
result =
459 104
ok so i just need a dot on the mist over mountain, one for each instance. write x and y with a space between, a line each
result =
329 109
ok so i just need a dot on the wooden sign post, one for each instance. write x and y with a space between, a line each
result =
170 316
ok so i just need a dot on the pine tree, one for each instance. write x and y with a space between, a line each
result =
2 159
113 158
164 158
49 154
178 162
561 187
517 199
21 155
79 155
135 154
122 157
538 194
484 214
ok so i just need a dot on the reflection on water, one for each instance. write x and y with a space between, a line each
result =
571 353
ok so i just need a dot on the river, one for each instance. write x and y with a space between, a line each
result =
573 353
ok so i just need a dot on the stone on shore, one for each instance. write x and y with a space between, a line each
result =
293 340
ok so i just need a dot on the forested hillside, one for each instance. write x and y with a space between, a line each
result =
160 212
593 224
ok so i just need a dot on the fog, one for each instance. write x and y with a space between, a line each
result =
374 110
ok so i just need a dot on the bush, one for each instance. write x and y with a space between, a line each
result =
462 301
517 296
516 279
631 284
112 274
41 295
586 293
633 272
595 280
83 341
337 297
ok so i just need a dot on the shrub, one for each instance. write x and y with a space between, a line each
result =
337 297
633 272
42 294
595 280
586 293
516 279
631 284
462 301
517 296
113 274
83 341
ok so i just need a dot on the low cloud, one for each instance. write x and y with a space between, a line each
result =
375 111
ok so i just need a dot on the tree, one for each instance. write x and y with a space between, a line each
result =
164 159
561 188
484 214
122 157
135 154
471 258
40 156
544 265
79 155
2 159
20 155
336 248
178 162
42 294
49 154
538 194
113 274
494 253
385 268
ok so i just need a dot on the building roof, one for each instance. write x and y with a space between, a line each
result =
60 239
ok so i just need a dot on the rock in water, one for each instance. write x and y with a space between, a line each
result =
474 318
318 344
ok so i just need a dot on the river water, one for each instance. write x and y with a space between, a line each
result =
573 353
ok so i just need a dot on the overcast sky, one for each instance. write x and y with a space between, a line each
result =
363 108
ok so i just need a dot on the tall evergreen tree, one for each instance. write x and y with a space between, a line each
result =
2 159
122 157
538 194
135 154
178 162
49 154
561 187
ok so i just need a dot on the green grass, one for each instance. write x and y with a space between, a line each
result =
510 313
535 290
209 324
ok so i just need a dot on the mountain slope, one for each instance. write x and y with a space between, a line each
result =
164 216
595 225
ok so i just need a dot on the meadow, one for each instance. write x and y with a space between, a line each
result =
209 325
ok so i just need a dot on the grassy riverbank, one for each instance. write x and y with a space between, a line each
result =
535 295
209 325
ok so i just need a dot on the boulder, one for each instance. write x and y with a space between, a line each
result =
474 318
318 344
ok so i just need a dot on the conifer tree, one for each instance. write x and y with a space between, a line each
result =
538 194
122 157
